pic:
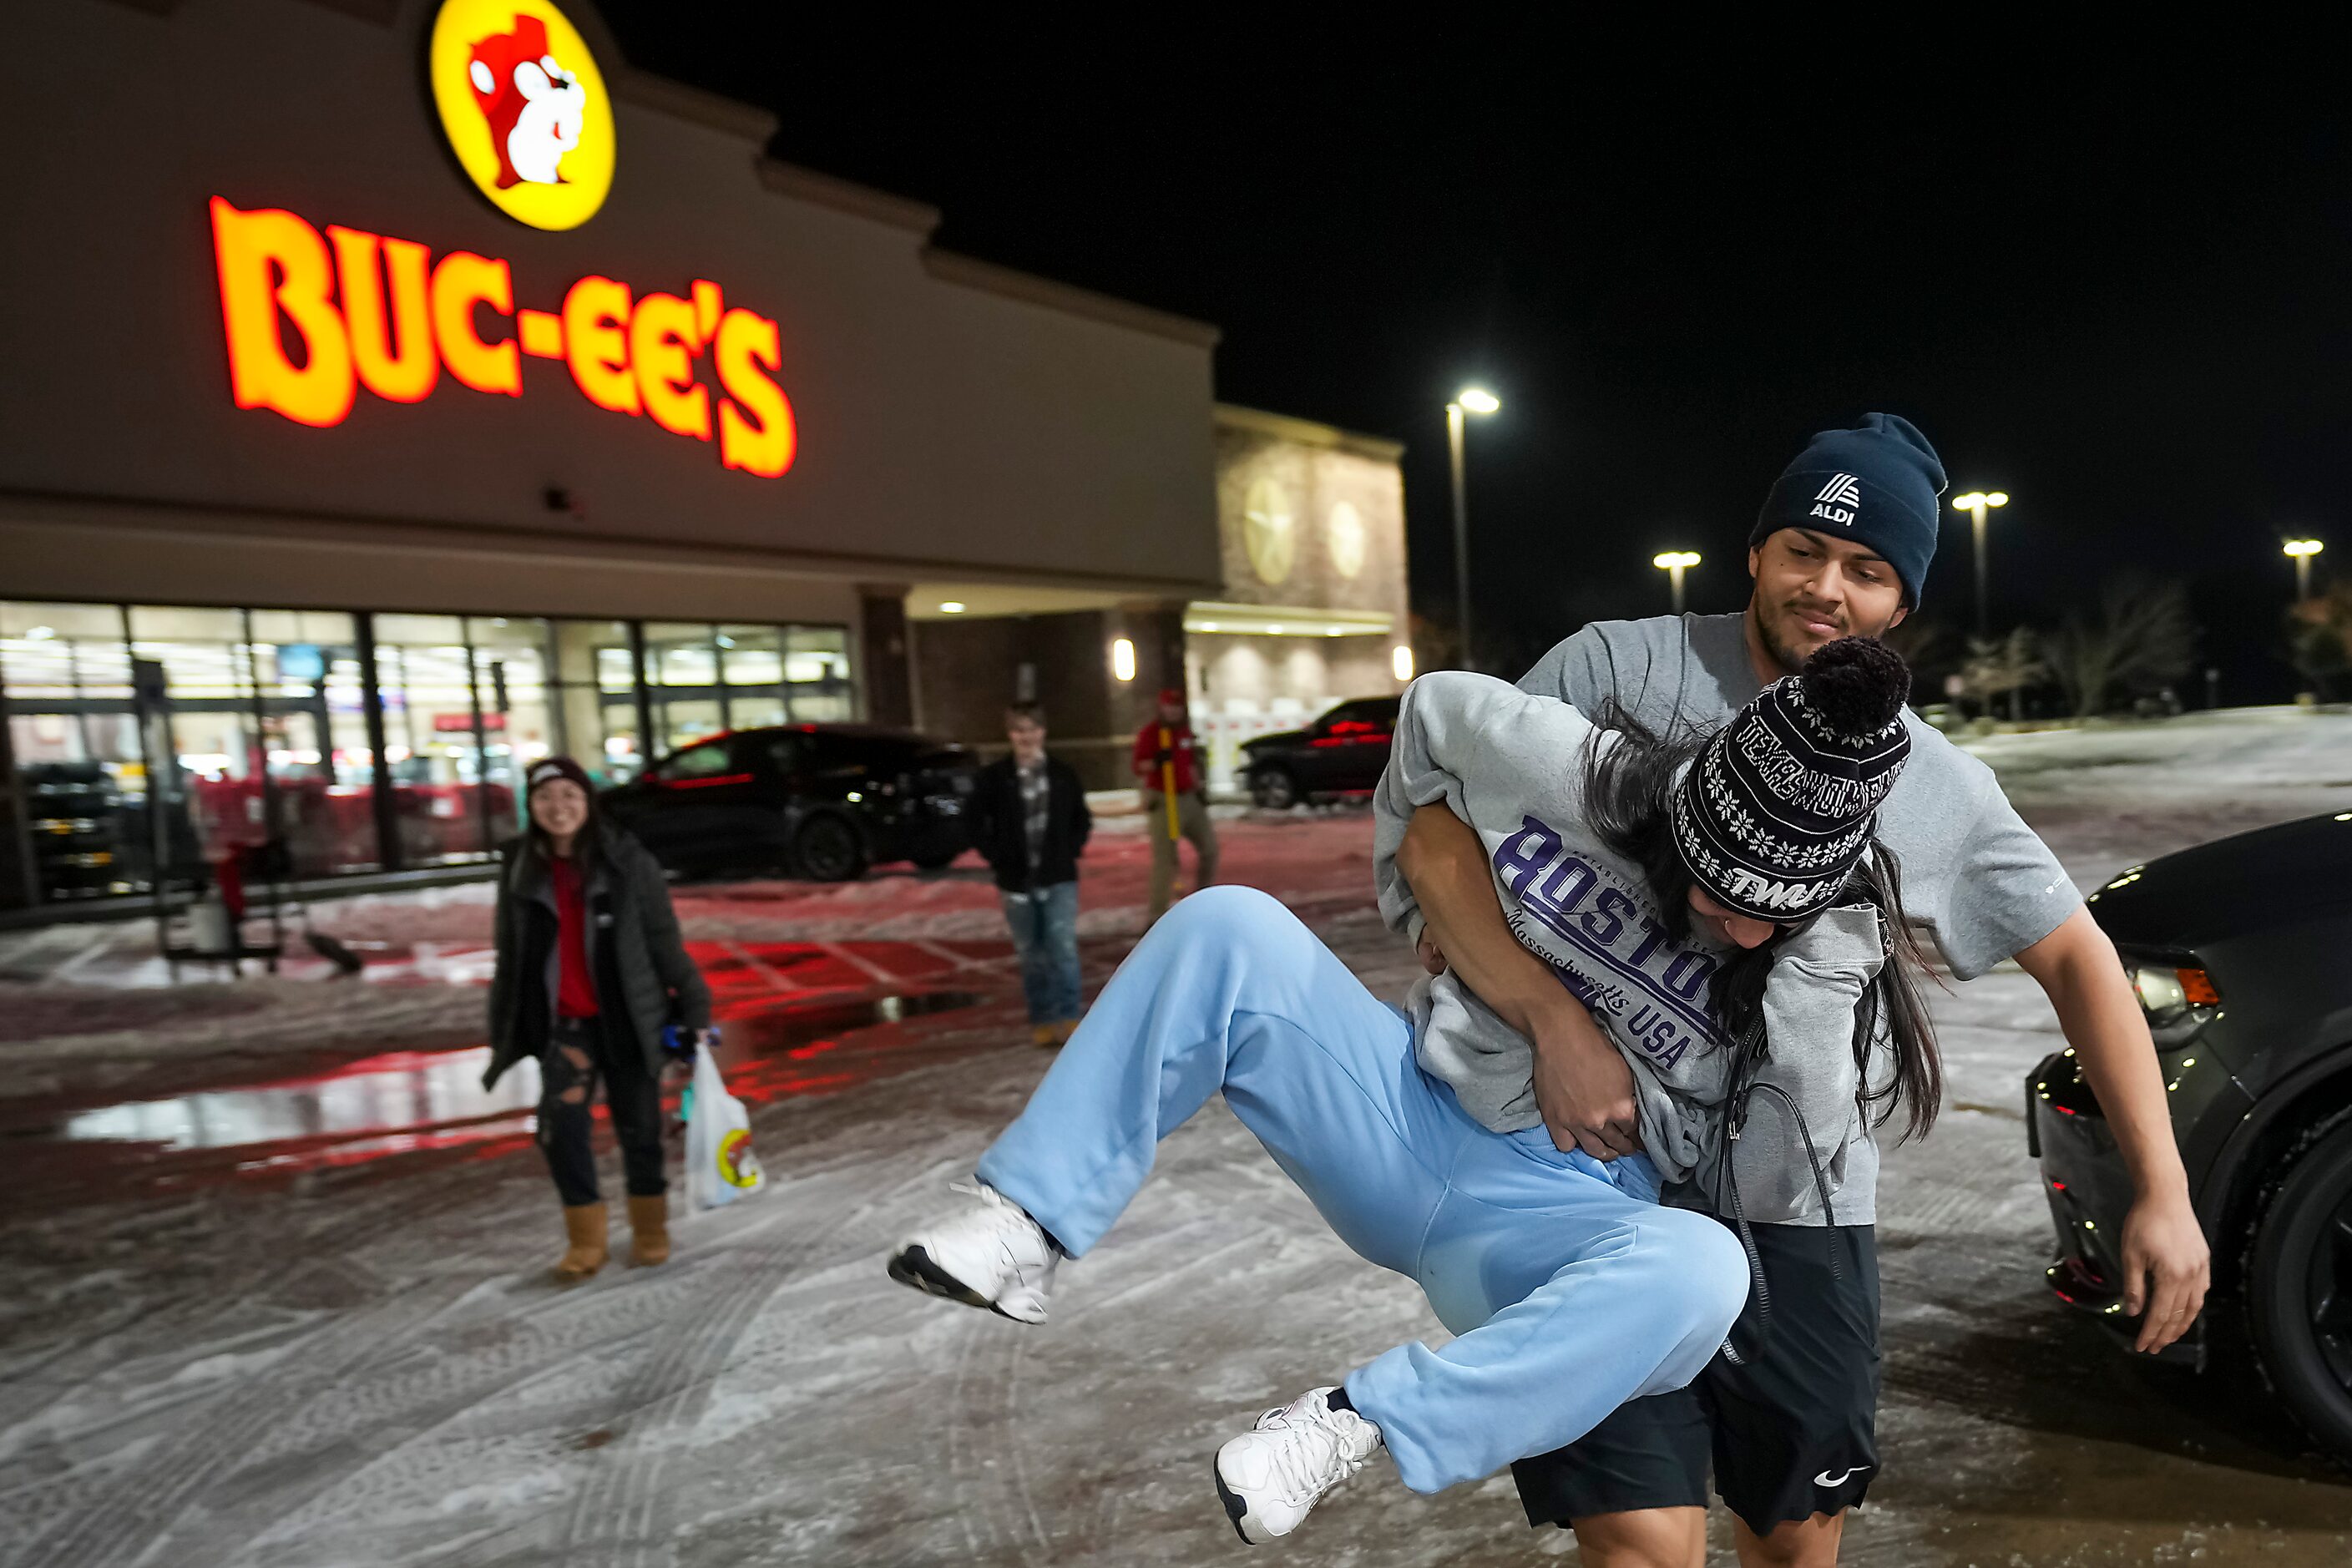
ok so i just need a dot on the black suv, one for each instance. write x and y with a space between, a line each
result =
1342 753
820 801
2242 953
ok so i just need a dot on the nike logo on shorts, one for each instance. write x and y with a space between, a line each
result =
1839 1479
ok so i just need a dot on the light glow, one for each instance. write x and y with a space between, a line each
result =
1479 400
1400 662
1674 558
1976 501
2301 547
1122 659
951 606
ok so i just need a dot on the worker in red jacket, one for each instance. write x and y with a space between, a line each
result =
1175 799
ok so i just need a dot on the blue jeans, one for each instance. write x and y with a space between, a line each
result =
1045 939
1572 1290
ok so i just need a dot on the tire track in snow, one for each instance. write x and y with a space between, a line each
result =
628 1521
148 1498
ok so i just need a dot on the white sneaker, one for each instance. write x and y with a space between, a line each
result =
1272 1476
990 1255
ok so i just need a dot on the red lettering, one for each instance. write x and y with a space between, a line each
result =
462 282
765 442
271 265
662 346
393 347
596 343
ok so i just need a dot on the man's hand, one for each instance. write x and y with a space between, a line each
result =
2167 1268
1432 956
1583 1087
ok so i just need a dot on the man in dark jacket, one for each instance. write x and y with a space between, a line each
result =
1029 823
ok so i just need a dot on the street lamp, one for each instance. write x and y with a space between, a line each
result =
1674 562
1473 400
2303 550
1974 503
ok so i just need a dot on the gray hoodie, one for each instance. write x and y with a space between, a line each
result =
1511 765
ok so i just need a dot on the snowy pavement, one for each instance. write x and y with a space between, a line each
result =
302 1323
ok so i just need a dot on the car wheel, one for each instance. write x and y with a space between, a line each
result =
2299 1283
826 849
1274 788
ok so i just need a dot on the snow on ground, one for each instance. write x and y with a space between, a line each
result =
330 1361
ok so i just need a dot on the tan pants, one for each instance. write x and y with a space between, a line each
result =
1192 820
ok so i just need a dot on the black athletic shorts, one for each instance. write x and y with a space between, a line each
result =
1792 1433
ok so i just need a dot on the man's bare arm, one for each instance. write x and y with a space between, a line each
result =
1583 1087
2166 1265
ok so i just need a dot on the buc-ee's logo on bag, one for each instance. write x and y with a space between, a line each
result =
524 108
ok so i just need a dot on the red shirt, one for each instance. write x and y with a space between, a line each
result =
575 982
1147 757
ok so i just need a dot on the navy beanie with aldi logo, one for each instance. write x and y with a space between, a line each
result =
1876 484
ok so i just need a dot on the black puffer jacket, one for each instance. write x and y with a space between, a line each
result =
999 829
634 945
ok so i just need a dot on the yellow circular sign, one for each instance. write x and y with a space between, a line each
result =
1345 526
524 108
1268 529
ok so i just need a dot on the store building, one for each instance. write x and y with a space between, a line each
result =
1309 610
401 390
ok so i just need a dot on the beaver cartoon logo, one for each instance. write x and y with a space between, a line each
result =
524 109
534 110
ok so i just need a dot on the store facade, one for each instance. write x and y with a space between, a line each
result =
361 450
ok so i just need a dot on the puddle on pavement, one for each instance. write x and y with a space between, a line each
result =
411 1101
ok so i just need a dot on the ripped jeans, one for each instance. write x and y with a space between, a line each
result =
579 1051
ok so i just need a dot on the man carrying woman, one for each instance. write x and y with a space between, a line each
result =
1721 963
1840 548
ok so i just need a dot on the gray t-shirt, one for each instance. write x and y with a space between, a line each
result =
1980 881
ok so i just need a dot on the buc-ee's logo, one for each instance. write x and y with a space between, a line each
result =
312 318
524 109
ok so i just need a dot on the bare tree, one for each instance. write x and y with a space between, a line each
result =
1996 666
2140 638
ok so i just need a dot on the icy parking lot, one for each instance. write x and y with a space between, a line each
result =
270 1287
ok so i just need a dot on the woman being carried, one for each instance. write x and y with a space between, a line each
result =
1570 1288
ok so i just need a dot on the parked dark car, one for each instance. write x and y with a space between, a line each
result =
1342 752
2241 952
820 801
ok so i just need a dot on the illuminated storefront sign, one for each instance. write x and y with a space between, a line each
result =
524 109
311 317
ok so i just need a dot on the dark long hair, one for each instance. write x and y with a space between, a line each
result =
1628 791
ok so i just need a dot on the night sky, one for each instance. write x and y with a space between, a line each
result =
2118 302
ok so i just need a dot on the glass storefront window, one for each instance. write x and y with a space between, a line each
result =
321 775
517 723
424 666
682 671
817 673
66 672
255 724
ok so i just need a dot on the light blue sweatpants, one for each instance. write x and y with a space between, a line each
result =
1570 1294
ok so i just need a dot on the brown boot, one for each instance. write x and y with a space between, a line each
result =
584 1227
1044 1036
648 1230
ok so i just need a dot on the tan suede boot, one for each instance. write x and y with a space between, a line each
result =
648 1230
584 1228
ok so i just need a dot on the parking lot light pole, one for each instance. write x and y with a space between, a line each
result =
1974 503
1674 562
2303 550
1472 400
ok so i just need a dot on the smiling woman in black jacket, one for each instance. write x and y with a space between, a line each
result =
590 969
1029 823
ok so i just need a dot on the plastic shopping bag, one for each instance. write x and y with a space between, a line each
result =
719 1165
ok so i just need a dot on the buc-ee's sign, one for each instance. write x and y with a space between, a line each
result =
313 317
